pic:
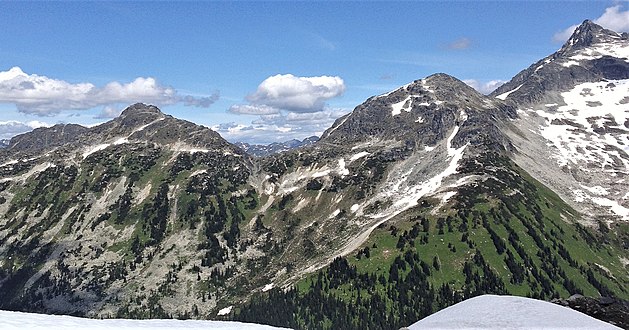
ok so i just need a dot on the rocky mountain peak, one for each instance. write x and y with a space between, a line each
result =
591 54
140 108
134 117
140 112
588 34
448 88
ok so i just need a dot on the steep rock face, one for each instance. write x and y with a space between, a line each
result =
572 129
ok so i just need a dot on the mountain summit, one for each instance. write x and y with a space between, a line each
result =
588 34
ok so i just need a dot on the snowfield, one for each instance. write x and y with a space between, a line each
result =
19 320
509 312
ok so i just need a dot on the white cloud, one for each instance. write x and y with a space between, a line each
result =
108 112
288 107
614 18
484 87
44 96
297 94
253 109
460 44
281 127
11 128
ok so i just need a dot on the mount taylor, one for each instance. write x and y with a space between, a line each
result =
418 199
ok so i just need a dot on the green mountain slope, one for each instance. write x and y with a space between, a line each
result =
506 235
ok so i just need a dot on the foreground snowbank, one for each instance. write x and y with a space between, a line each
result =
18 320
508 312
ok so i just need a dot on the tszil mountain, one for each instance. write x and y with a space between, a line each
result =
418 199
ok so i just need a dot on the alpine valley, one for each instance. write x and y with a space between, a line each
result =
418 199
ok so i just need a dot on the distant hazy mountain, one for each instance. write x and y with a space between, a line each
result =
262 150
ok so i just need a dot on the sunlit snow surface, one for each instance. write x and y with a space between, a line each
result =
590 132
508 312
18 320
614 47
503 96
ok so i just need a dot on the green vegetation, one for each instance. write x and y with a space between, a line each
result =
505 235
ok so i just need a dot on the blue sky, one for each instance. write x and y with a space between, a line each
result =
261 71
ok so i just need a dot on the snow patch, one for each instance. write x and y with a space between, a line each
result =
354 208
597 190
493 312
402 105
503 96
613 205
358 156
20 321
225 310
268 287
94 149
451 150
574 129
342 170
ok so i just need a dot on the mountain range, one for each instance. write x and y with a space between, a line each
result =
261 150
416 200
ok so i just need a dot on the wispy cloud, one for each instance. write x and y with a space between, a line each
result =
459 44
484 87
614 18
322 42
44 96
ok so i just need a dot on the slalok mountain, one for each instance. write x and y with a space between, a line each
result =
419 198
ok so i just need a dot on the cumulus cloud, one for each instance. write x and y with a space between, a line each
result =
297 94
44 96
484 87
614 18
288 107
459 44
108 112
11 128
